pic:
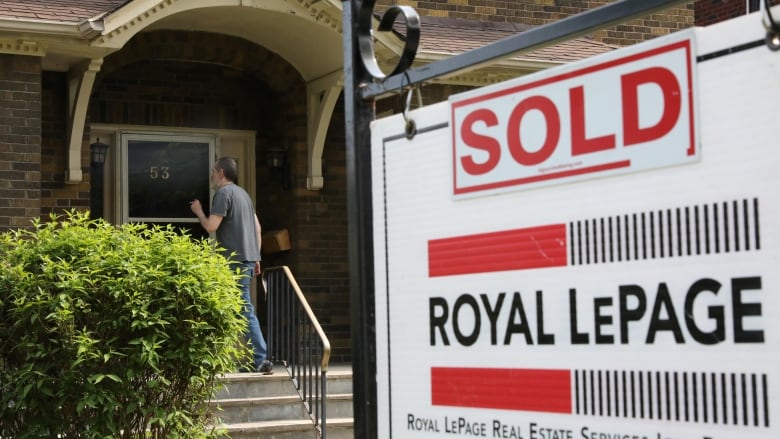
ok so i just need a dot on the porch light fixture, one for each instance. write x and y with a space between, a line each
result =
275 157
97 153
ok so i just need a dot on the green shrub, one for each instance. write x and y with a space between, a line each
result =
112 331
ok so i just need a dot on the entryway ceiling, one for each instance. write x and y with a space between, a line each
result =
312 48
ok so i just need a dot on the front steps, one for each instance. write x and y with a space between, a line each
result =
256 406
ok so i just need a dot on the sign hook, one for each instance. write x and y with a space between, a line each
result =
410 127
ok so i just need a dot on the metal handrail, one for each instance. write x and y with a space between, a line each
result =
296 339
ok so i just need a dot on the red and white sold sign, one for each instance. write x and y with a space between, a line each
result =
607 116
639 300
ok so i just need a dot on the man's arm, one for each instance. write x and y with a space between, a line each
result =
258 232
209 223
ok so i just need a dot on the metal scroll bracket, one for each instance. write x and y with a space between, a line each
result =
772 28
366 38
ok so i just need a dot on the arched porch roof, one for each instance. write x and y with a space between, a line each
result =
305 33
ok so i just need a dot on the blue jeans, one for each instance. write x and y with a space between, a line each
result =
254 334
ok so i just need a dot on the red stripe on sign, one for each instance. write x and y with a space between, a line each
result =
520 249
535 390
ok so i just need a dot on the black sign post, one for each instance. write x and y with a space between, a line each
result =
363 83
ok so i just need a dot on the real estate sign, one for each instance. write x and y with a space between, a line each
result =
588 252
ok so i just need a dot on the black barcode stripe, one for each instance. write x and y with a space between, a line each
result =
685 398
713 228
744 399
611 242
704 396
619 242
633 395
716 229
577 392
652 235
692 397
603 243
607 381
596 249
659 412
625 396
670 232
636 237
707 227
724 399
588 247
679 231
592 395
661 239
688 230
734 412
756 224
695 398
628 237
676 398
735 215
754 394
766 402
572 246
746 224
601 397
698 231
714 398
726 239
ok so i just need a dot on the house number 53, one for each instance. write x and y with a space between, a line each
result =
159 172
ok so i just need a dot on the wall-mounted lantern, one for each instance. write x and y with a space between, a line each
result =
97 153
97 157
276 160
275 157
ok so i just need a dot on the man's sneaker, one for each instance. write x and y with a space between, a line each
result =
266 368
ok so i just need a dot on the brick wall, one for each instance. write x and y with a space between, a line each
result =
20 140
538 12
714 11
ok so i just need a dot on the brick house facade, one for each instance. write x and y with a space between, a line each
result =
181 79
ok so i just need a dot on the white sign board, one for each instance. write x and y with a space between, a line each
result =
588 252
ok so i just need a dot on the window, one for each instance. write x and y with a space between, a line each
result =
161 174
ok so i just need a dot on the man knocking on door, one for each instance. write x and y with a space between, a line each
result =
237 228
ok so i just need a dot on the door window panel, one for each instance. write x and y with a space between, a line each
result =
162 174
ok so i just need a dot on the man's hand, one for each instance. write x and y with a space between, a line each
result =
196 208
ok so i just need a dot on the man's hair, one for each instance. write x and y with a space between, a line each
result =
229 167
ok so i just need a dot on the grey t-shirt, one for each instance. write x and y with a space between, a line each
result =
236 232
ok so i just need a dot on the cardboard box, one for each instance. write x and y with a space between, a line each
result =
276 241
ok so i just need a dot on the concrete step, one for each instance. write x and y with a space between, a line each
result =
339 405
253 405
339 381
336 429
244 385
264 408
